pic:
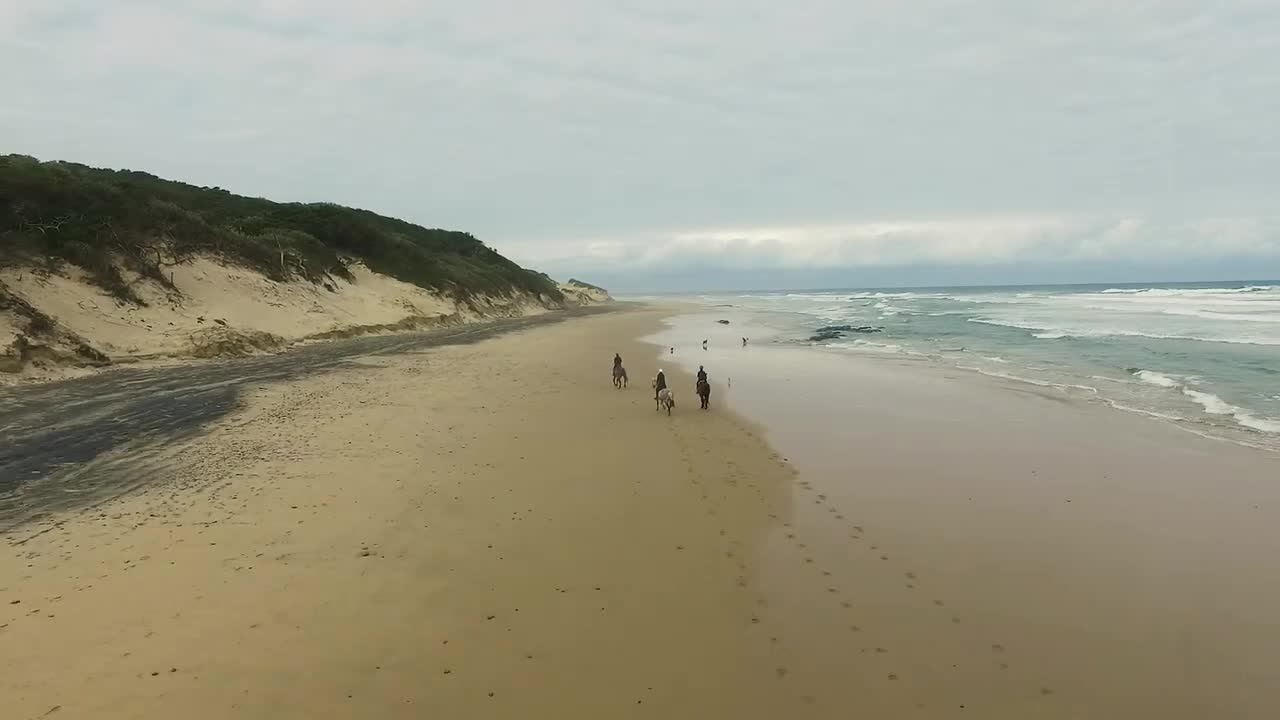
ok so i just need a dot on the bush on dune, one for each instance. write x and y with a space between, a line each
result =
56 213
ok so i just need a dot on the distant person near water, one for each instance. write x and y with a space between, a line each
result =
704 344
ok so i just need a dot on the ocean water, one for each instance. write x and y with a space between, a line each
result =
1203 355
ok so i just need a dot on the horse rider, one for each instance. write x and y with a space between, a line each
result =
703 388
617 361
659 383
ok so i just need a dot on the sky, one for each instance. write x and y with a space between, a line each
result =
662 145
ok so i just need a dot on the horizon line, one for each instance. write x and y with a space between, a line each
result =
1149 284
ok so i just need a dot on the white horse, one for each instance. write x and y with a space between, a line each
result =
664 398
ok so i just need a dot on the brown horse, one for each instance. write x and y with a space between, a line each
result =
704 394
619 376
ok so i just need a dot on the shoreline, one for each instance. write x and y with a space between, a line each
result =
1096 346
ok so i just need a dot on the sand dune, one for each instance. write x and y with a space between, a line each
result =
217 310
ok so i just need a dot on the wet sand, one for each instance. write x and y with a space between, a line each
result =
492 531
1001 547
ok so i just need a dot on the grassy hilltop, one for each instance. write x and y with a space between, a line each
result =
106 221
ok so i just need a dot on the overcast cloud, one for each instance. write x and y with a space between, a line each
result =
700 144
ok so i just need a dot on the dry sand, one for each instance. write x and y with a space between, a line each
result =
474 532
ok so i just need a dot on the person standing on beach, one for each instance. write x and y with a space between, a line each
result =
704 344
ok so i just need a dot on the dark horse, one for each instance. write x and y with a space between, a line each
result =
704 393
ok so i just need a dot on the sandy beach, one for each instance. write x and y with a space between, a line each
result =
484 530
491 530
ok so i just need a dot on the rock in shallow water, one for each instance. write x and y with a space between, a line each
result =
833 332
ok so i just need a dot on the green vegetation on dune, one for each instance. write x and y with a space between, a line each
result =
55 213
587 285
